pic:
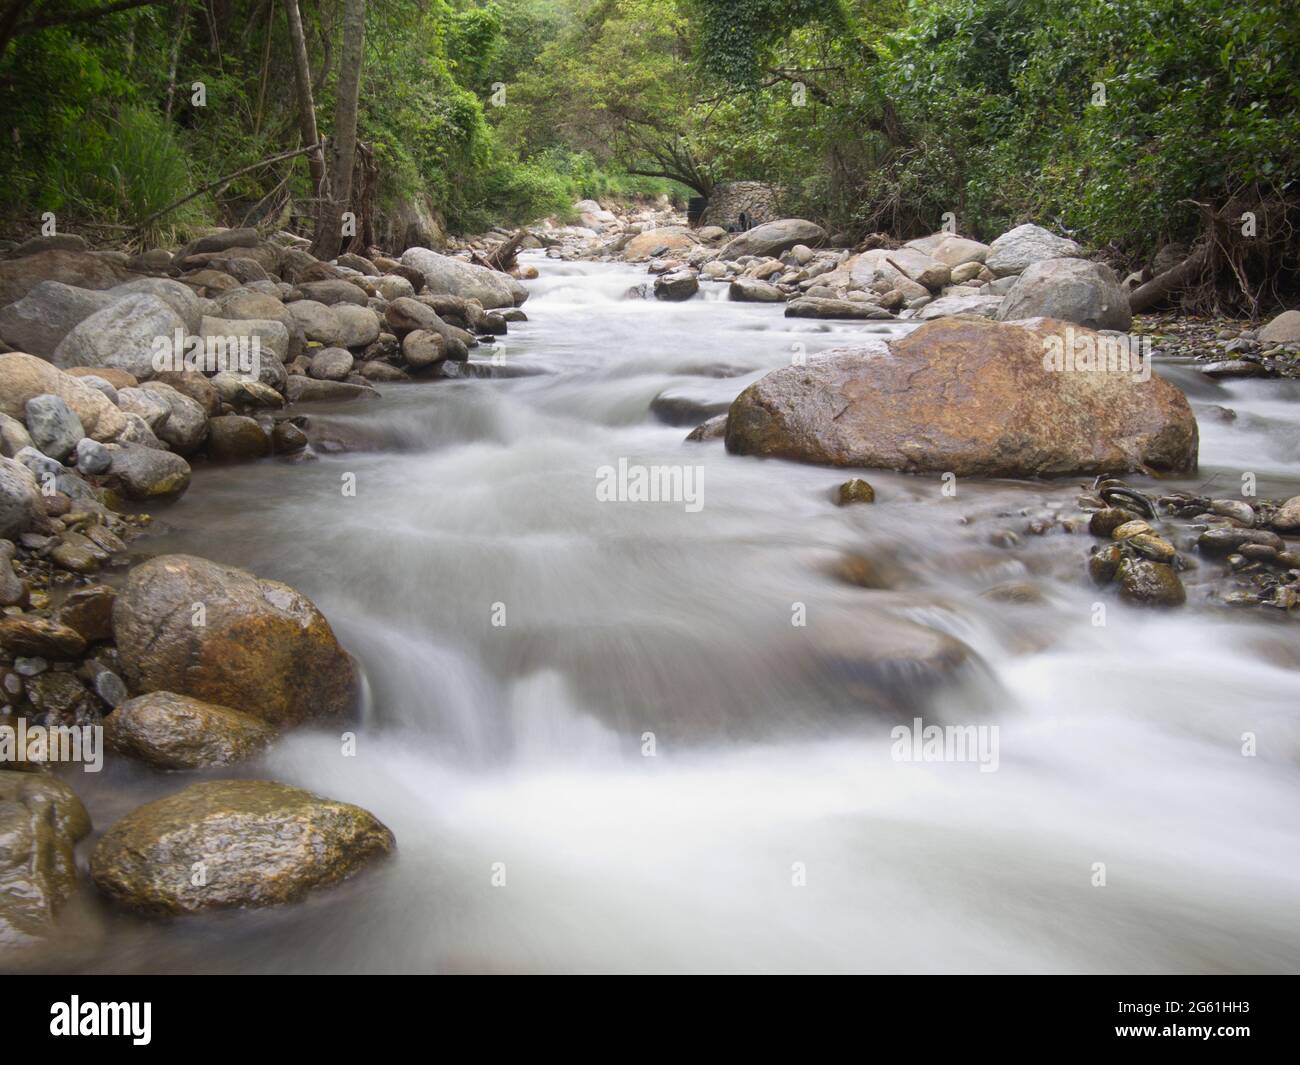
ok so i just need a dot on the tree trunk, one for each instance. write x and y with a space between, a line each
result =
329 221
1144 297
306 103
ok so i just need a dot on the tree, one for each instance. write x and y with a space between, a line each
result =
329 219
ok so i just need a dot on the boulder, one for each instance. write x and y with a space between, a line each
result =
264 648
676 286
752 290
332 293
953 251
79 269
875 272
41 820
170 731
820 307
300 389
660 240
331 364
148 473
423 347
1071 290
180 298
226 334
919 267
20 499
236 438
774 238
54 427
967 396
358 326
443 274
122 335
23 377
41 319
951 306
186 423
262 844
318 321
1284 329
1019 248
221 240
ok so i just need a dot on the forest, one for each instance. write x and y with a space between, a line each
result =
1130 124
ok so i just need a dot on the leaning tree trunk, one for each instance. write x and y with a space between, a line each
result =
329 223
1162 286
306 102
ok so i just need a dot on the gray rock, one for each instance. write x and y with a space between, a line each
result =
1019 248
93 457
773 238
676 286
186 422
308 390
948 306
53 426
147 473
444 275
332 293
49 312
1284 329
331 364
180 298
751 290
123 335
1071 290
105 386
318 321
148 405
19 499
812 307
358 326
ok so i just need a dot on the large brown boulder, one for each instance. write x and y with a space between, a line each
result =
966 396
23 377
224 844
220 634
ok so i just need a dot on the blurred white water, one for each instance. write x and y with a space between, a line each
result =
519 748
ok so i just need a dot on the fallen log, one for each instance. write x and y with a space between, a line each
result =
1146 296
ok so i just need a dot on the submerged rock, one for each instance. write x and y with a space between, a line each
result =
854 491
260 844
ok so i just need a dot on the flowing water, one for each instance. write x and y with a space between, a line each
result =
613 706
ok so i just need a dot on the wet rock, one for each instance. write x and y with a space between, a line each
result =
61 699
713 429
677 285
1022 593
1150 583
1235 509
170 731
1106 521
309 390
1103 564
967 396
147 473
262 843
78 554
854 491
41 820
33 636
236 438
1224 541
287 438
264 648
1287 517
88 611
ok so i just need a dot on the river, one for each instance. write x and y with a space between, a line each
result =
605 742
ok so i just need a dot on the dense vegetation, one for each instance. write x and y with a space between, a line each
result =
1132 123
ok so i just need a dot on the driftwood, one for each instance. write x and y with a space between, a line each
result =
1146 296
504 256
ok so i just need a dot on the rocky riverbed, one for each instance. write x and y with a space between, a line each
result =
208 668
